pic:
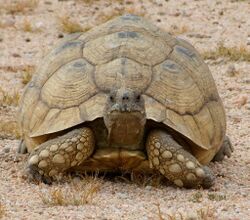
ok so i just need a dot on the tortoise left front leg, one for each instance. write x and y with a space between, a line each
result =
175 163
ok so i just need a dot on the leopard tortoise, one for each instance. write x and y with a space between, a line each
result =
124 95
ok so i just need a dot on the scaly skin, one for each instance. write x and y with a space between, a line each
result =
61 153
175 163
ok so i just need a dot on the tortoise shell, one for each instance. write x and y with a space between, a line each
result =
72 82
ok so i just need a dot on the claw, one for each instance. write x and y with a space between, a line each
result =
34 175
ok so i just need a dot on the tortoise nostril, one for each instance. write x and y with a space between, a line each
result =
125 97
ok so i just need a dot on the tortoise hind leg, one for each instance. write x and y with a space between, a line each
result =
175 163
22 149
225 150
59 154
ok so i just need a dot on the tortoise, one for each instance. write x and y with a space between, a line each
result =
124 95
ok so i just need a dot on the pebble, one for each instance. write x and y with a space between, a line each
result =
191 216
122 195
231 70
241 100
6 150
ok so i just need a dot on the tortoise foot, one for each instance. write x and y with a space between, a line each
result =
225 150
59 154
175 163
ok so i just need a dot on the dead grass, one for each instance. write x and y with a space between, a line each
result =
200 214
90 2
6 24
177 30
2 210
68 25
27 27
196 197
141 179
7 99
144 180
108 15
206 214
15 69
19 6
75 193
160 216
27 73
232 53
9 129
216 197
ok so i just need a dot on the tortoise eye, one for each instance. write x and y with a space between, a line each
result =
111 98
138 98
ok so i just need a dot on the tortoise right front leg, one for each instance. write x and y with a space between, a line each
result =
59 154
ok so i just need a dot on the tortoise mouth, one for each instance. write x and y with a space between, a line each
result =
126 108
135 113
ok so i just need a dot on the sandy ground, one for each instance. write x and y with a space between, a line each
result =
25 37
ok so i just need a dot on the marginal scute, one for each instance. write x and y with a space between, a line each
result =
58 121
188 53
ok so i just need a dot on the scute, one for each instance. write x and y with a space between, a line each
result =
123 72
70 85
143 48
174 88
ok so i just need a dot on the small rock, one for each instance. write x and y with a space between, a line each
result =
175 14
7 22
16 55
48 3
122 195
247 106
27 40
241 100
6 150
191 216
148 188
39 25
231 70
60 35
221 12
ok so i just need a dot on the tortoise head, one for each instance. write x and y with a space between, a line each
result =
125 116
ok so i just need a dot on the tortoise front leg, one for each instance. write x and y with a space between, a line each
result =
175 163
59 154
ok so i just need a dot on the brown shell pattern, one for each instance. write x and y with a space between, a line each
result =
71 83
